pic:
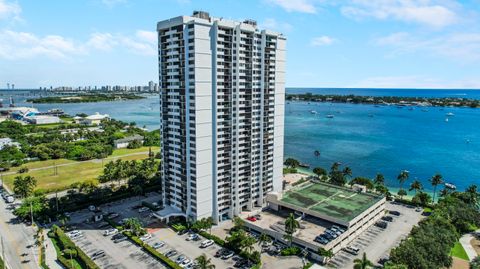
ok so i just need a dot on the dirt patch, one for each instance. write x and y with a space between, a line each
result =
459 264
476 244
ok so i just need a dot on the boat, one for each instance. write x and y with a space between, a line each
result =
316 153
450 186
313 111
330 116
446 119
450 114
304 165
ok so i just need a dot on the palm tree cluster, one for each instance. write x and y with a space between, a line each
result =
291 226
134 225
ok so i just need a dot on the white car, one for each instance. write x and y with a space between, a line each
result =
206 243
185 263
110 232
143 209
146 237
73 233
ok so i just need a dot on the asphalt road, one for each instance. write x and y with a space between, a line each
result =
17 240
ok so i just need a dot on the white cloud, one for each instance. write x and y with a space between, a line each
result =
416 82
461 47
275 25
22 45
303 6
322 41
432 13
9 10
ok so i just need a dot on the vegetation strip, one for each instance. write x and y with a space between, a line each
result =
84 98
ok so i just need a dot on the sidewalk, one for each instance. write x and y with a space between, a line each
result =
51 254
465 241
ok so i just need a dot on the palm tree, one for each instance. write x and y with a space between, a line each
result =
203 262
379 179
335 166
435 181
134 225
362 263
247 244
291 225
208 224
347 171
263 240
402 177
416 186
237 223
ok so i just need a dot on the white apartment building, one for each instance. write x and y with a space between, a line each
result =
222 99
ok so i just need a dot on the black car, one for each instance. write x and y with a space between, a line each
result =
182 232
387 218
395 213
381 224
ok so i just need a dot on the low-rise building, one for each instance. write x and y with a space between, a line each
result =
320 206
42 119
94 119
124 142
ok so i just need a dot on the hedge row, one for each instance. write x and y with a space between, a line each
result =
159 256
66 243
290 251
43 265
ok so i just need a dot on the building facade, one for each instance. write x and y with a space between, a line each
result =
222 98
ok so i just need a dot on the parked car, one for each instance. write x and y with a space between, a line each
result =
110 232
206 243
395 213
97 255
143 209
120 239
193 237
73 233
387 218
352 250
113 215
10 199
158 245
258 216
381 224
145 237
116 236
171 253
180 259
182 232
185 262
227 255
252 219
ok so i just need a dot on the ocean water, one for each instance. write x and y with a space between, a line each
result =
366 138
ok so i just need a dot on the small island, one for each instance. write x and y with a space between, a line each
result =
84 98
387 100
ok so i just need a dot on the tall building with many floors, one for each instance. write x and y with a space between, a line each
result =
222 97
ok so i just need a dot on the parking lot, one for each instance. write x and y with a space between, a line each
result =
117 255
191 249
377 242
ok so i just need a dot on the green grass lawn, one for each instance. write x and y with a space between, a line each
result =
118 152
73 172
459 252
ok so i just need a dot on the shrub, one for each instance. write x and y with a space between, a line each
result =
290 251
177 227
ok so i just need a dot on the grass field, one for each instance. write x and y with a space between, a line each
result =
329 200
69 171
459 252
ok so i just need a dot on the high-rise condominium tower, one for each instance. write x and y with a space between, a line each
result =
222 114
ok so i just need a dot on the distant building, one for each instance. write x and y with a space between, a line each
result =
94 119
42 119
7 142
124 142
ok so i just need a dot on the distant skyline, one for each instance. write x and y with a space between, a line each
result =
351 43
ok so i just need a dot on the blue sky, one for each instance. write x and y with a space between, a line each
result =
331 43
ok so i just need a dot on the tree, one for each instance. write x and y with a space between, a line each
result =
435 181
347 172
291 225
238 224
24 186
416 186
247 244
134 225
379 179
402 177
37 206
422 198
208 224
362 263
325 253
203 262
292 163
475 263
263 240
401 193
362 181
319 171
472 195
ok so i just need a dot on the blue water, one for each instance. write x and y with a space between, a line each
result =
392 140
